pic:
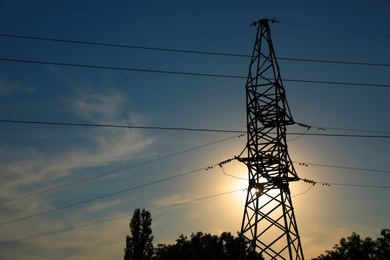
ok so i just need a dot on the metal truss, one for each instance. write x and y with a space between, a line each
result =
269 222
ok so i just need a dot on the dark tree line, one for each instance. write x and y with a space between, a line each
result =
203 246
206 246
139 245
356 248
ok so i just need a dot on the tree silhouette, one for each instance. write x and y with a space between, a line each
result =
383 245
139 244
202 246
355 248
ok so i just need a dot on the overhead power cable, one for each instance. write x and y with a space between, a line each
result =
324 183
119 68
169 178
186 73
107 195
324 128
366 170
122 126
182 129
335 30
115 218
338 83
336 62
122 45
116 171
306 191
342 135
355 185
342 167
186 51
127 77
99 197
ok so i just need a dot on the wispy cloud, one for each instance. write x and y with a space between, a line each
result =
88 241
94 147
28 168
100 107
169 200
8 87
98 206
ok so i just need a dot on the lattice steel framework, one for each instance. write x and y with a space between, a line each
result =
269 222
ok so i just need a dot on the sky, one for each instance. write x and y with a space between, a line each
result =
68 191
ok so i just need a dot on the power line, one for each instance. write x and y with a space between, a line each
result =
160 208
119 68
172 177
140 164
178 153
101 197
350 130
306 191
172 205
338 83
336 30
328 183
187 51
342 167
186 73
127 77
323 183
336 62
318 165
150 183
115 218
181 129
116 171
123 45
122 126
325 128
354 185
107 195
345 184
342 135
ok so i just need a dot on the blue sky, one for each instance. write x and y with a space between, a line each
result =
41 157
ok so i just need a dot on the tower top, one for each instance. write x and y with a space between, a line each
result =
264 21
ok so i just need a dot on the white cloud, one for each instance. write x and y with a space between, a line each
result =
94 147
31 167
170 200
98 206
26 169
105 240
8 87
100 107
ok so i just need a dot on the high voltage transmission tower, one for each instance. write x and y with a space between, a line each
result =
269 223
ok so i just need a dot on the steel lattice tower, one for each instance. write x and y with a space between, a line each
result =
269 222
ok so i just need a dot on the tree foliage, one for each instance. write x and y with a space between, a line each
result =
355 248
199 246
139 244
206 246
